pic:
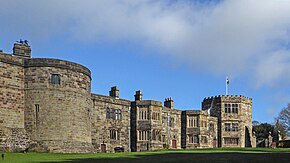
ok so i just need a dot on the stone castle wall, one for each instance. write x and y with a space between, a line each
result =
161 127
11 100
46 105
102 124
205 129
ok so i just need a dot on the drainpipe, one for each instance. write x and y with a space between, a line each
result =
129 129
168 127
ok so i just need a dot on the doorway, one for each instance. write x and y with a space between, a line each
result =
103 148
174 144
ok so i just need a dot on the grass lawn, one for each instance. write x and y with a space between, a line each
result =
181 156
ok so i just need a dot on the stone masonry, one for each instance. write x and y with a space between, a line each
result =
46 105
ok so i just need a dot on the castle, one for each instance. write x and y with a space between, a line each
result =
46 105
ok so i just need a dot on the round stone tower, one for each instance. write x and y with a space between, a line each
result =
57 105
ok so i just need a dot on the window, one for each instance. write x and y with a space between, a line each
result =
155 135
234 141
193 121
155 116
235 127
164 119
193 139
143 114
227 127
227 108
114 135
163 138
211 127
143 135
203 123
235 108
55 79
114 114
118 114
36 114
171 122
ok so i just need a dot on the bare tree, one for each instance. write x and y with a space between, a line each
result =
284 118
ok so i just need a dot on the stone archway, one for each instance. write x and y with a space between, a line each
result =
247 138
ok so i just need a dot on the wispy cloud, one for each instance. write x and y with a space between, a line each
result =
239 38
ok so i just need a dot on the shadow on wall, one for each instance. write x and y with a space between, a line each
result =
193 157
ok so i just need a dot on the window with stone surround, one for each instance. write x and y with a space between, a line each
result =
143 114
211 127
227 127
163 138
235 127
114 114
192 121
143 135
235 108
227 108
193 139
233 141
156 135
155 116
203 123
55 79
114 135
164 120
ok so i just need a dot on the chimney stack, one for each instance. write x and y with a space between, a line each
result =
138 95
114 92
22 49
169 103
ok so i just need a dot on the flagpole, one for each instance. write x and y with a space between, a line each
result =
227 82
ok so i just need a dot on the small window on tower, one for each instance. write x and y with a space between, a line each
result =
55 79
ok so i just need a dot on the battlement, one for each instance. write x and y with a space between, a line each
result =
228 98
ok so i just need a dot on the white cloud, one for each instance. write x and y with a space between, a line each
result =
239 38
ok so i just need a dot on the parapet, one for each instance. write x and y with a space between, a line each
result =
224 97
48 62
149 102
109 99
8 58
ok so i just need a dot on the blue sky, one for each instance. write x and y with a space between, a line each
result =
183 49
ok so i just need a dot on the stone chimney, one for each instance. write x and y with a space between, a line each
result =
114 92
169 103
138 95
22 49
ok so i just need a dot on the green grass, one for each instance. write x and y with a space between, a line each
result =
181 156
